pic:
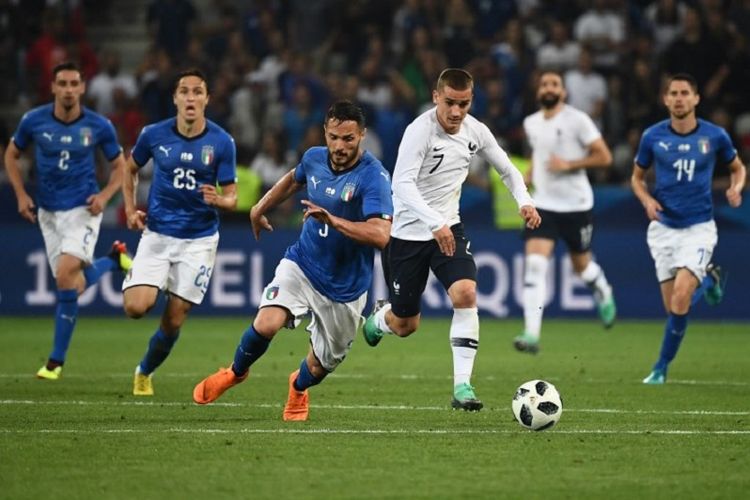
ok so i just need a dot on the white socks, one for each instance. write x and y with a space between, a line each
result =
380 319
534 293
464 337
594 278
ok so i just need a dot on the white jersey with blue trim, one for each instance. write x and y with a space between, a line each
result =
65 154
337 266
684 166
181 165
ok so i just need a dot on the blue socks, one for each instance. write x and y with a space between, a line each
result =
158 349
674 331
66 313
707 283
252 346
100 266
305 379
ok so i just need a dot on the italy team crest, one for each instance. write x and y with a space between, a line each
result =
348 192
207 155
272 292
704 145
87 136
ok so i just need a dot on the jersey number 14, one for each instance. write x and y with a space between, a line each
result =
683 165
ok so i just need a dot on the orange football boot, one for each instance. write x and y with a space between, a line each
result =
210 388
298 403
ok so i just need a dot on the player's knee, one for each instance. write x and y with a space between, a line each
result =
135 307
403 327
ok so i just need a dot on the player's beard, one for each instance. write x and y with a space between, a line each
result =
549 101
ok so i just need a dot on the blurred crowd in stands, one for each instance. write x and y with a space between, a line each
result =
275 65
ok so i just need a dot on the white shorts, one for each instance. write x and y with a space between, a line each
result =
73 232
334 324
180 266
690 247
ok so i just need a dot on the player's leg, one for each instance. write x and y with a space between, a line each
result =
160 344
458 274
712 287
407 267
538 251
577 229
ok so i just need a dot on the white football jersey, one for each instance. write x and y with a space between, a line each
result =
431 167
568 135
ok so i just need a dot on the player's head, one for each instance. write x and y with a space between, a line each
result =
681 95
452 95
551 89
67 85
190 95
344 130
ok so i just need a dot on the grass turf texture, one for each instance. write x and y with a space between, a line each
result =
381 426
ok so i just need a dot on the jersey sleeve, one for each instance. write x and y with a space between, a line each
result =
142 150
509 174
645 155
725 152
377 200
24 133
226 171
108 142
587 130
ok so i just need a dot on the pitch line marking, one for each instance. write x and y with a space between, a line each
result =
359 407
441 432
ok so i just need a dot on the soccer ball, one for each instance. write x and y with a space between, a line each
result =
537 405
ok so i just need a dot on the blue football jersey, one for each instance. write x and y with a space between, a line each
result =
181 165
684 165
65 154
338 267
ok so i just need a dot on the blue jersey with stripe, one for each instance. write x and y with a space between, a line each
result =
684 165
181 165
338 267
65 154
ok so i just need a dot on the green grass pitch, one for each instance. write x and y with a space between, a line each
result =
381 426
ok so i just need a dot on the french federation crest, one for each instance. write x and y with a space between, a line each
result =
207 155
87 136
348 192
272 292
704 145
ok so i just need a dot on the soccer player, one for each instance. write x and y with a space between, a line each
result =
65 136
176 253
683 150
432 164
565 143
328 271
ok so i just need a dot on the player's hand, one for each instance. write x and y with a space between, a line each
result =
136 220
96 204
320 214
26 208
653 209
734 197
445 240
530 216
557 164
259 222
210 195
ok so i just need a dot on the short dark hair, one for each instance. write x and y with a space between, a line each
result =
552 71
190 72
66 66
683 77
344 110
455 78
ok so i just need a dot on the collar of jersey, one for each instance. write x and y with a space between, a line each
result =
340 172
67 124
697 126
176 131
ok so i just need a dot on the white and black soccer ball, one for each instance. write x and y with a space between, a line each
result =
537 405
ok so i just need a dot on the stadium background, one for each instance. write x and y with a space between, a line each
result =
275 65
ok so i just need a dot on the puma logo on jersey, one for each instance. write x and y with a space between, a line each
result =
48 135
387 177
315 182
165 150
664 145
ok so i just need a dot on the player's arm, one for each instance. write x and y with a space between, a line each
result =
12 166
136 218
638 183
98 201
226 200
737 182
374 232
599 157
283 189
